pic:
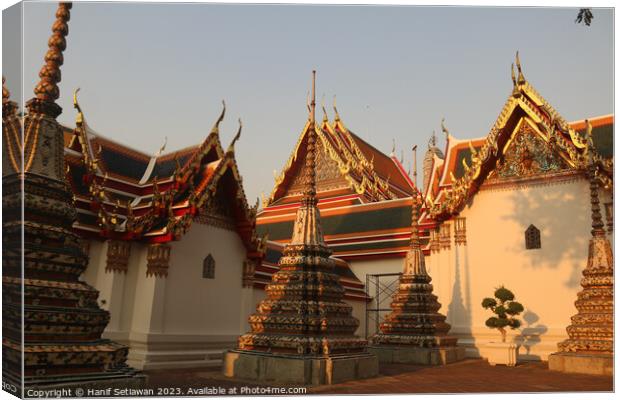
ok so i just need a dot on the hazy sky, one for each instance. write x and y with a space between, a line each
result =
147 71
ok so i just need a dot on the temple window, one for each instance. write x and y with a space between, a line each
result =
532 238
208 267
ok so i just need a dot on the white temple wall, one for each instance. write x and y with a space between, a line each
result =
546 280
183 319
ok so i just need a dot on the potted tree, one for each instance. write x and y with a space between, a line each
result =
505 311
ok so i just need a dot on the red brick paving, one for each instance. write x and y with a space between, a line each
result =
469 376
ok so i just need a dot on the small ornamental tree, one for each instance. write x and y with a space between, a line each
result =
505 309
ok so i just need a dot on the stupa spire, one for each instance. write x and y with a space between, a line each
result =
415 332
307 228
47 92
304 316
47 89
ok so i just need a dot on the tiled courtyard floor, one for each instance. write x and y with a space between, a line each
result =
469 376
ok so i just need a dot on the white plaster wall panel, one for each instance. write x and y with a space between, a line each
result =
195 305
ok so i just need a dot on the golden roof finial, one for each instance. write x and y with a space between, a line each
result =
47 88
323 107
443 128
521 78
313 102
216 126
79 118
337 116
231 147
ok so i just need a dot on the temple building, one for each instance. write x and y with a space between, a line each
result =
165 234
511 208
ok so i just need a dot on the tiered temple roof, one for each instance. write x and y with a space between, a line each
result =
124 194
560 146
348 167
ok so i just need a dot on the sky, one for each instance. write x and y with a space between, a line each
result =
150 71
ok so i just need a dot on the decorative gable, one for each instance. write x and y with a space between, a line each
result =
526 155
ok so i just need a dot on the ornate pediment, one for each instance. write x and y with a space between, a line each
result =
328 175
528 154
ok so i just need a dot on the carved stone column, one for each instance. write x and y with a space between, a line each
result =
157 260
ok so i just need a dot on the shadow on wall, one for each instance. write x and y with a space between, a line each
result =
561 220
459 310
530 335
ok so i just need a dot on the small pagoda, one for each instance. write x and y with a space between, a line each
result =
415 332
590 346
52 322
303 332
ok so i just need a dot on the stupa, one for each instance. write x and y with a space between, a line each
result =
61 321
415 332
303 332
590 346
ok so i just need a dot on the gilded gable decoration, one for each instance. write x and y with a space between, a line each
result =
528 138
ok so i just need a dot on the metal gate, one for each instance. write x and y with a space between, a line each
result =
380 288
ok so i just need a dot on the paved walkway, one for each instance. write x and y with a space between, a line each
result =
469 376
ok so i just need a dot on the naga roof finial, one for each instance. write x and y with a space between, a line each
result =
323 107
337 116
231 147
520 78
47 88
216 126
444 129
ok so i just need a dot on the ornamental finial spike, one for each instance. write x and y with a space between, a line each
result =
310 173
323 107
79 118
337 116
313 101
216 126
444 129
521 78
47 88
231 147
433 141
